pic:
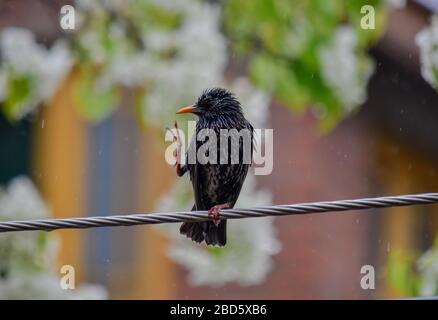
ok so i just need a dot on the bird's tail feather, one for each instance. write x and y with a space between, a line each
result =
207 230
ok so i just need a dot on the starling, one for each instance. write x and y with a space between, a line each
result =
216 184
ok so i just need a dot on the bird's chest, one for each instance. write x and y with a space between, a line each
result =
214 180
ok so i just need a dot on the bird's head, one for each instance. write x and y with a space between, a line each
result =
213 103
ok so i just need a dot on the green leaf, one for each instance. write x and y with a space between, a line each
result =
19 98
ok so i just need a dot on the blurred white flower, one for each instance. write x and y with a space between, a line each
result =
428 267
24 57
89 39
28 259
342 69
3 85
198 62
297 38
255 103
96 5
176 64
129 71
427 40
54 67
45 287
29 250
197 58
251 243
103 49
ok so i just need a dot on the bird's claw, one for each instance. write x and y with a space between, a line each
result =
215 210
177 139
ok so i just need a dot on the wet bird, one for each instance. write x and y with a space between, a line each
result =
216 184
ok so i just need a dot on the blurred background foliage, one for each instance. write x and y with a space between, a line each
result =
414 274
286 41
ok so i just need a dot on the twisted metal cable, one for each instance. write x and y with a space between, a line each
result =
192 216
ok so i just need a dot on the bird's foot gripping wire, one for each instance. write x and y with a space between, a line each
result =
214 211
180 170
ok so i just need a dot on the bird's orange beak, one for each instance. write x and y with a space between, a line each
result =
187 109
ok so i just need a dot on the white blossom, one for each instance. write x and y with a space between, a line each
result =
427 40
98 5
3 85
129 71
397 4
255 103
21 201
342 69
23 251
199 61
176 64
428 267
28 259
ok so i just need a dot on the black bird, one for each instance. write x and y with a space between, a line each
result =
216 185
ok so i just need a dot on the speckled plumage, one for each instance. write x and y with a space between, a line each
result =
216 184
